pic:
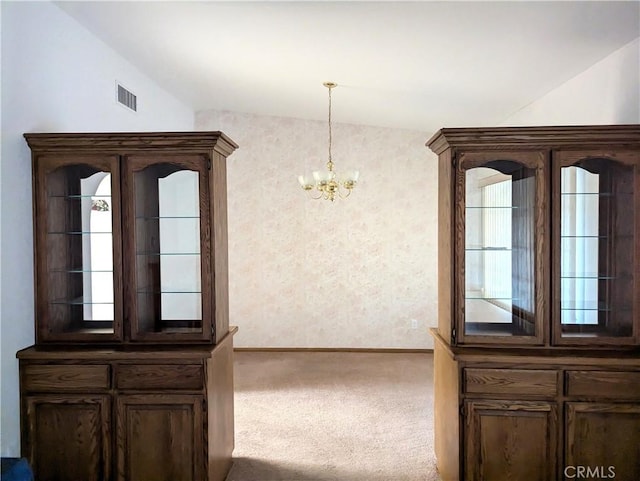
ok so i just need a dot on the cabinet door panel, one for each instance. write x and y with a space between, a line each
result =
500 247
603 436
160 438
78 253
512 440
596 238
68 437
166 202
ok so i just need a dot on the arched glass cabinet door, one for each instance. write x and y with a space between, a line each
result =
78 243
596 247
168 289
500 248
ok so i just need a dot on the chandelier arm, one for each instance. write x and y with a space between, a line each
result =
312 196
341 193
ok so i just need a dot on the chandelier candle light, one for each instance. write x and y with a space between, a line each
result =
328 183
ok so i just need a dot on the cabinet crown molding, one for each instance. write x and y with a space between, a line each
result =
534 137
183 142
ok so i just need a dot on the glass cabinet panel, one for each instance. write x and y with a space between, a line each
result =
597 248
168 249
499 250
79 248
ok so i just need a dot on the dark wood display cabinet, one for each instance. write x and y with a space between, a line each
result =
537 350
131 376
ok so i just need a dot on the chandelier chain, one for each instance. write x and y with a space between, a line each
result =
328 184
330 161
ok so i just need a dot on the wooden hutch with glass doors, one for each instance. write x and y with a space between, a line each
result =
131 376
537 350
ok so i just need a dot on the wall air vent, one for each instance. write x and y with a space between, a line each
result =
127 98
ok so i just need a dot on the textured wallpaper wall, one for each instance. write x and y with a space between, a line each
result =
309 273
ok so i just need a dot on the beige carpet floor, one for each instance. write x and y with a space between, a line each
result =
315 416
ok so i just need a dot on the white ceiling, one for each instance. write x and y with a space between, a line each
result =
417 65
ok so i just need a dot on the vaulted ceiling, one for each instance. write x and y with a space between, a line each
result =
416 65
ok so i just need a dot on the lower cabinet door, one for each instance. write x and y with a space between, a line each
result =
510 440
159 437
602 441
67 437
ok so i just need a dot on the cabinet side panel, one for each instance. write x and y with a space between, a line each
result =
446 413
445 245
220 258
220 402
636 209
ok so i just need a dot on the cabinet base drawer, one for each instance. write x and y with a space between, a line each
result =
63 377
536 382
619 385
159 376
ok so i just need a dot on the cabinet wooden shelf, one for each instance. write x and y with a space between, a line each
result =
539 292
131 377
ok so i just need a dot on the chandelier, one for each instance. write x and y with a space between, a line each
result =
329 184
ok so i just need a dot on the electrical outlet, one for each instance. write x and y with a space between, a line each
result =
414 324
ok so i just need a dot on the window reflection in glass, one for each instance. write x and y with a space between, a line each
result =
167 202
597 255
499 253
80 245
